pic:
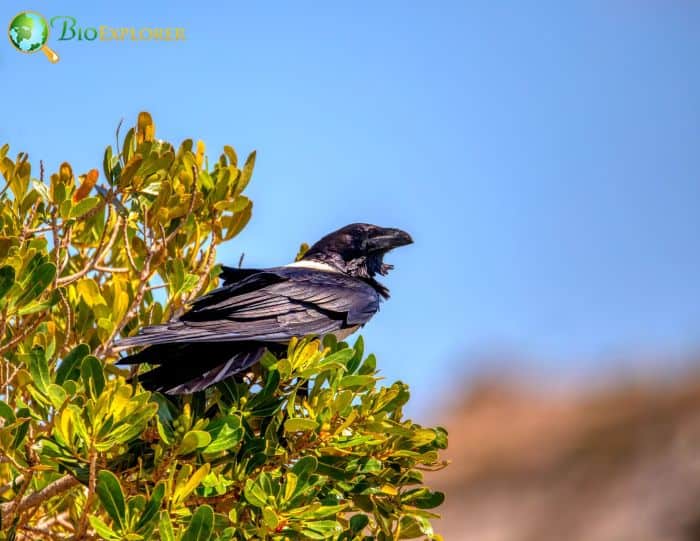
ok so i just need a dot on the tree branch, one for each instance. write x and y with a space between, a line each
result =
57 487
127 246
112 270
99 255
144 279
82 524
27 330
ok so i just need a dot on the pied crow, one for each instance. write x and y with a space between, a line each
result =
332 289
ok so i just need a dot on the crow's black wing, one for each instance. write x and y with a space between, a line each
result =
187 367
270 306
231 275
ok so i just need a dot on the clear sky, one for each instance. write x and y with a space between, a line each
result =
545 157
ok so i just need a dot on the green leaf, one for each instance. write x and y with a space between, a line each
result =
321 529
38 281
225 434
205 181
423 498
152 507
270 518
165 527
57 394
29 267
359 348
254 494
231 154
22 429
422 436
59 193
201 525
315 512
290 486
164 431
7 279
102 529
247 172
129 171
42 189
339 358
182 491
440 437
238 221
107 164
369 366
111 496
34 307
93 375
299 424
68 367
412 526
89 291
342 402
64 209
356 381
39 369
358 523
193 440
83 207
305 466
6 412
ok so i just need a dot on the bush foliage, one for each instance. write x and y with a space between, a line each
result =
310 446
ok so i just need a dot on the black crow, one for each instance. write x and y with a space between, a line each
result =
332 289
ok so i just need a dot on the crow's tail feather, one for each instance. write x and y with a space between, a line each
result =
193 366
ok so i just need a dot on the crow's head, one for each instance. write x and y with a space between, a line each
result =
358 249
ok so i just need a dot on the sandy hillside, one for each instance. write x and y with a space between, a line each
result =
614 464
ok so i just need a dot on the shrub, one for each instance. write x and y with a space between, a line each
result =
309 446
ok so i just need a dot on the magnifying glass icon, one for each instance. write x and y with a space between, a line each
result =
29 32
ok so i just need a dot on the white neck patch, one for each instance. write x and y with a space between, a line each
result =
315 265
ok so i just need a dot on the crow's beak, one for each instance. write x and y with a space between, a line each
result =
388 239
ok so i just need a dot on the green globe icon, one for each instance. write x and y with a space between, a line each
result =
29 33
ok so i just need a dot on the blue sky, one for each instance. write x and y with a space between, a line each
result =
546 158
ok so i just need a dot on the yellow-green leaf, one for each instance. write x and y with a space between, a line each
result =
83 206
184 490
298 424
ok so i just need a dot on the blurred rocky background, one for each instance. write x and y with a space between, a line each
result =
617 460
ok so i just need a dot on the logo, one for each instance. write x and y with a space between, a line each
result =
29 33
